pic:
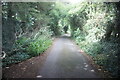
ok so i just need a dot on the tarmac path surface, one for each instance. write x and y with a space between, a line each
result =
62 60
65 61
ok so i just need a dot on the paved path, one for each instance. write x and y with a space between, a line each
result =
62 60
65 61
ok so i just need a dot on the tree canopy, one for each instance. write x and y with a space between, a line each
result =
28 29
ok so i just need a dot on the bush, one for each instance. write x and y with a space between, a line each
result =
109 57
18 57
37 47
41 41
92 37
25 48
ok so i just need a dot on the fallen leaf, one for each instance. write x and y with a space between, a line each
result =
85 68
92 70
7 67
86 65
39 76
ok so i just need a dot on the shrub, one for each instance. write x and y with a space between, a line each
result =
37 47
16 58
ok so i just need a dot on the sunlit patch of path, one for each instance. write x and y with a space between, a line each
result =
64 61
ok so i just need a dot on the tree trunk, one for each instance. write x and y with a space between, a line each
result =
8 30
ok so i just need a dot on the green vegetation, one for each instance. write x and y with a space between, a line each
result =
28 29
25 31
40 44
99 36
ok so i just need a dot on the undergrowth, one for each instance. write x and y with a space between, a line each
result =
25 48
104 53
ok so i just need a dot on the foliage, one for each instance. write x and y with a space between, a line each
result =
18 57
40 42
94 27
57 16
30 30
109 55
37 47
96 37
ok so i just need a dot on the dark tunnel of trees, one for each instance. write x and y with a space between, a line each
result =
28 30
